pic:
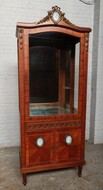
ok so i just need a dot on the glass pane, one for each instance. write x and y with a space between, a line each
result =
43 75
76 77
53 73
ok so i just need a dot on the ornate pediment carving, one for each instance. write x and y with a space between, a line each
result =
55 17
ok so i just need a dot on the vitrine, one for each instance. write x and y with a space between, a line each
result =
52 68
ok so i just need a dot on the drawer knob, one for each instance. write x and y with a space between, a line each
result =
68 139
40 142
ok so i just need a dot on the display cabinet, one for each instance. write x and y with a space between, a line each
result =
52 68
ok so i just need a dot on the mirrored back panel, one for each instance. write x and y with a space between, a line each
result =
43 75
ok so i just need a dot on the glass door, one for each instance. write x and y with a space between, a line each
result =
53 73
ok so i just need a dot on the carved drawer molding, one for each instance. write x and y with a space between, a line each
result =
32 126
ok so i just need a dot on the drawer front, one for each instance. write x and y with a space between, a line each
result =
31 127
39 148
68 145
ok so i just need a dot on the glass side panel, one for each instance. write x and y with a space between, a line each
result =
53 74
76 76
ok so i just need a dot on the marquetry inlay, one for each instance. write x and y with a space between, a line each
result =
20 37
33 126
86 41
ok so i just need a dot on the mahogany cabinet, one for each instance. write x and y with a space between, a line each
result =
52 72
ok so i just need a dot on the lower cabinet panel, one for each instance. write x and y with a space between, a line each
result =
39 148
68 145
53 147
68 153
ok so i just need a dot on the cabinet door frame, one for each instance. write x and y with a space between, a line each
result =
32 149
26 71
71 152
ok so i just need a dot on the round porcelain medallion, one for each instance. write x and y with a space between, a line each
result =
68 139
56 16
40 142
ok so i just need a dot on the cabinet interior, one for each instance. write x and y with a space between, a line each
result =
53 73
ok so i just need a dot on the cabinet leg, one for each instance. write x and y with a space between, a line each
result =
80 170
24 176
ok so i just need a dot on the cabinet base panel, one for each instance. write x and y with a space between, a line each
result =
26 171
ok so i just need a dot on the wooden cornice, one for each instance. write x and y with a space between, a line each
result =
48 21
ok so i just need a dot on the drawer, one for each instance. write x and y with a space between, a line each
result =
31 127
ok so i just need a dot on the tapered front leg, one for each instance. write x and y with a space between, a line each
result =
80 170
24 176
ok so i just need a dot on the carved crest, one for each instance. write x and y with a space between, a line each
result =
56 15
